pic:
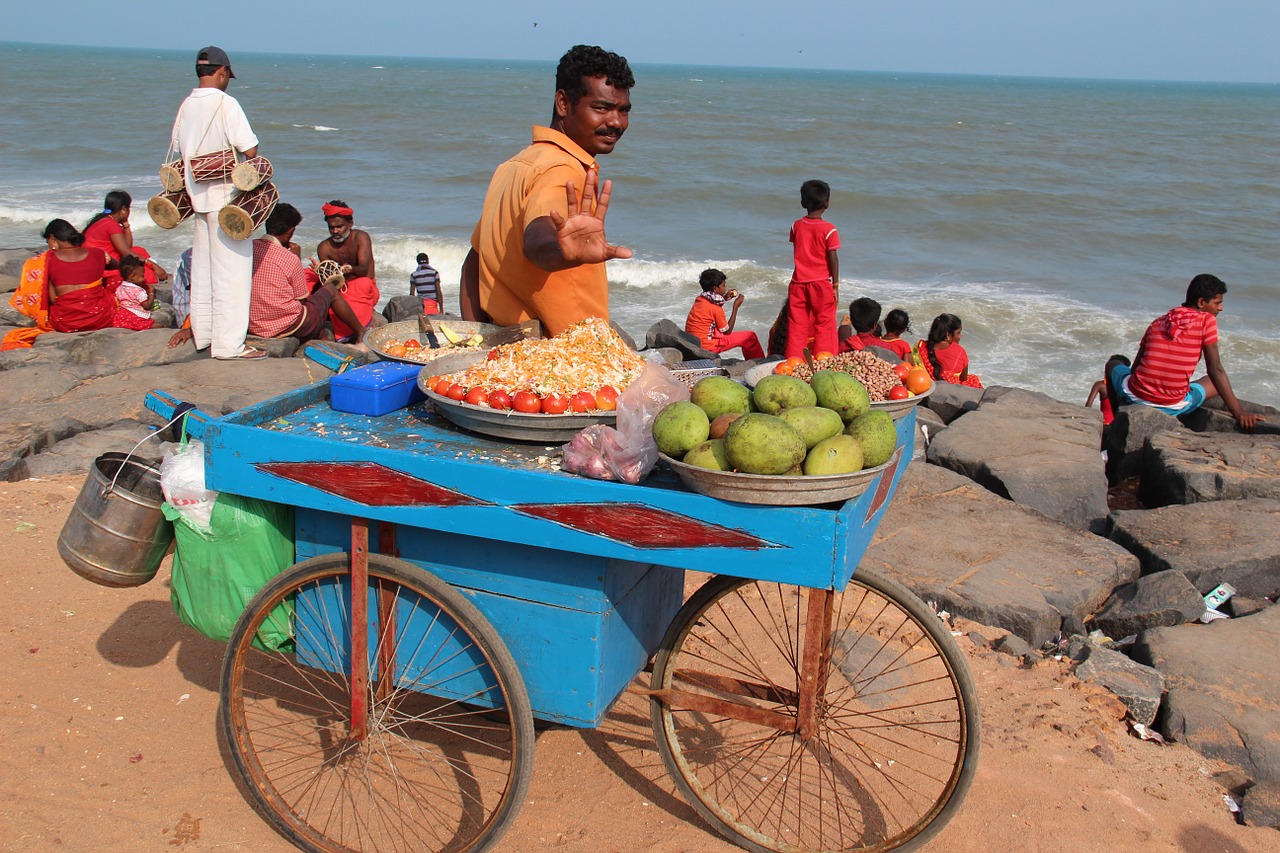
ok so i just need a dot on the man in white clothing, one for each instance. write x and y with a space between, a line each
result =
210 120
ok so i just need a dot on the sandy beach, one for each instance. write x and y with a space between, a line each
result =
112 706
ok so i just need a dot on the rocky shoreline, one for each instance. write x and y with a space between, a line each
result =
1011 518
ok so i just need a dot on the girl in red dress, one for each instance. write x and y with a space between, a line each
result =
943 357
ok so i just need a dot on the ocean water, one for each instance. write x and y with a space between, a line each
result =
1056 217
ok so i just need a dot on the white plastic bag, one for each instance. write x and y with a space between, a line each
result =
629 452
182 481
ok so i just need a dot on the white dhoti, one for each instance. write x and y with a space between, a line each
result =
221 283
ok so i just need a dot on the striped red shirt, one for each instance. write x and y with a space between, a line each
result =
1171 349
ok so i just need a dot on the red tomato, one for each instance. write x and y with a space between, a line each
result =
899 392
555 404
823 356
477 396
442 386
456 392
583 401
918 381
499 399
900 370
527 402
493 354
607 398
412 344
784 368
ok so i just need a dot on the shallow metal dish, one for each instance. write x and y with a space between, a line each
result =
518 426
776 490
898 408
380 338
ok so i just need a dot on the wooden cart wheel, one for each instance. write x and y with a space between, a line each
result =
445 758
797 719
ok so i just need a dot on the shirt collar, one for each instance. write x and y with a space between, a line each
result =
555 137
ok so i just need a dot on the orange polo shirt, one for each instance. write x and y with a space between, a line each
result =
512 288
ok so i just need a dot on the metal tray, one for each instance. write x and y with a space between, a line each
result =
776 490
380 338
517 426
898 408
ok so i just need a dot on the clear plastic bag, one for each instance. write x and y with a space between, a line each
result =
626 454
182 481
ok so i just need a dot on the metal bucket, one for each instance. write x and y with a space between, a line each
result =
116 535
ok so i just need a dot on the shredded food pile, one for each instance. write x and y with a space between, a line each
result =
584 357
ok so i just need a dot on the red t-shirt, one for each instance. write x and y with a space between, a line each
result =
705 319
1171 349
813 238
99 234
899 346
860 340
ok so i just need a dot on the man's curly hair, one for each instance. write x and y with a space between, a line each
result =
587 60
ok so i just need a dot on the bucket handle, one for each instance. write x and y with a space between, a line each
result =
179 412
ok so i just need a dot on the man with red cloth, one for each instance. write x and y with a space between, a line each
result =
539 249
352 250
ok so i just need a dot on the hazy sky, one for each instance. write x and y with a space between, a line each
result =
1210 40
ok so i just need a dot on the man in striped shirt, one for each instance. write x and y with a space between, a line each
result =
424 282
1169 353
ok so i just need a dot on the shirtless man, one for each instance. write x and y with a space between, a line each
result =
352 249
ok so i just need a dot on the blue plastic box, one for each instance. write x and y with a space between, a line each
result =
376 389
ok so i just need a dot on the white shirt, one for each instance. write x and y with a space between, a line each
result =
210 120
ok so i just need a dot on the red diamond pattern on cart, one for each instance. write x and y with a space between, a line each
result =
643 526
884 487
369 483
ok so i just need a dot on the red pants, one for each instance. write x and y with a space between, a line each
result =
747 340
811 312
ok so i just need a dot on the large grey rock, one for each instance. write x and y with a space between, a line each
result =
956 544
1187 467
121 349
1233 541
10 316
950 401
74 454
1222 695
403 307
274 347
1126 439
8 284
1153 601
11 260
1138 686
1261 805
1034 450
665 333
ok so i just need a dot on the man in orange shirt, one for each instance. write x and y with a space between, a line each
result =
539 249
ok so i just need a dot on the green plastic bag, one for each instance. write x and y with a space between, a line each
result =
216 573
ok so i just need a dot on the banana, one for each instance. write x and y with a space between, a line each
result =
450 335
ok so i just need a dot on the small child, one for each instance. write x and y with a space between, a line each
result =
896 324
811 296
424 282
1099 392
134 296
864 326
707 323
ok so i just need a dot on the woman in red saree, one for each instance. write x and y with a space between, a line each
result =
944 359
74 293
110 231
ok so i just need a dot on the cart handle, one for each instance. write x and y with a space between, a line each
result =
169 407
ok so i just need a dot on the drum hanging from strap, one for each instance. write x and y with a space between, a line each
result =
215 166
173 176
251 174
170 208
247 211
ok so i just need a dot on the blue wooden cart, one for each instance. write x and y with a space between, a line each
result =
450 589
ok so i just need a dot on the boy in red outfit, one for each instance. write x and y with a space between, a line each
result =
811 296
707 323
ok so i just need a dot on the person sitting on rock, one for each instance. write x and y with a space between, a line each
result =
134 297
352 250
943 357
1168 355
282 303
707 323
861 328
896 324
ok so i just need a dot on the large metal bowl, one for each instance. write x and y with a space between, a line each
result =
776 490
517 426
898 408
